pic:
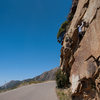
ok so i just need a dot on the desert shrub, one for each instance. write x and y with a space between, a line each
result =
62 79
64 94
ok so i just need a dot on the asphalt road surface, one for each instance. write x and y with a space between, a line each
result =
41 91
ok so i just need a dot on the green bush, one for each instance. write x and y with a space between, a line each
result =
62 79
62 29
65 25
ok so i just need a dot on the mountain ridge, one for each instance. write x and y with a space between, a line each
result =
46 76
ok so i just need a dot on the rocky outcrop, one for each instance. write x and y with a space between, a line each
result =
84 75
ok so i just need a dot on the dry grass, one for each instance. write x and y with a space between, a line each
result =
63 94
29 83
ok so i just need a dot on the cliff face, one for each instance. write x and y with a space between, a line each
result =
84 75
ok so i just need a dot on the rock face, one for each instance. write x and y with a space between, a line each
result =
84 75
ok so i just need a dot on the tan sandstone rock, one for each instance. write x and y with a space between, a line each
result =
82 70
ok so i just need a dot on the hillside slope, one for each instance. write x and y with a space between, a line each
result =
46 76
49 75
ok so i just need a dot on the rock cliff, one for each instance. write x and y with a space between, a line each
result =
80 58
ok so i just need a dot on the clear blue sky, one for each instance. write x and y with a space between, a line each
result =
28 29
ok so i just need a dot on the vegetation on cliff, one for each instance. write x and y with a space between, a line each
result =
66 24
62 28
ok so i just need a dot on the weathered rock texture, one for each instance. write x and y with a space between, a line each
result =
84 75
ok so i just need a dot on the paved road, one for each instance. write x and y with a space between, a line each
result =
41 91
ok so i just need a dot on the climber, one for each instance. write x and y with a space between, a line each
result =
80 32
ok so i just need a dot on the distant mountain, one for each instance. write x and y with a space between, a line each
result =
10 85
49 75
